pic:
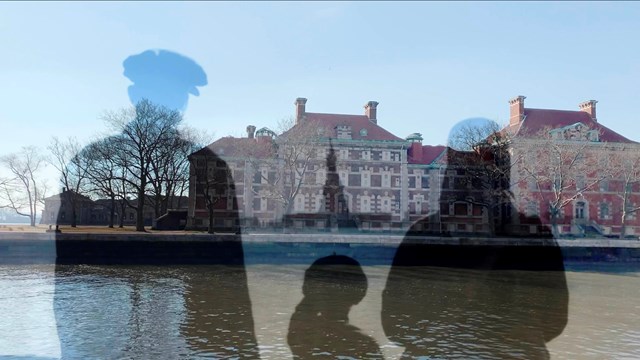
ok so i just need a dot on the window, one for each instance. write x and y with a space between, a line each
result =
397 181
604 211
320 177
299 203
363 132
386 180
366 179
531 209
319 202
425 181
365 204
418 204
604 185
344 178
386 155
460 209
580 210
386 205
444 209
412 182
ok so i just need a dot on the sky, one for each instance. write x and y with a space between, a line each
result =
428 64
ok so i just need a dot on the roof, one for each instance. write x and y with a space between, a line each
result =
430 154
358 123
536 120
79 197
230 146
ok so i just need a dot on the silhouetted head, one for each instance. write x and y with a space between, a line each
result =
163 77
478 166
336 277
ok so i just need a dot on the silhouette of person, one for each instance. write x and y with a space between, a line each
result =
445 300
217 320
319 327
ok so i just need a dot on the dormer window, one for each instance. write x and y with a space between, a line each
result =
363 132
343 132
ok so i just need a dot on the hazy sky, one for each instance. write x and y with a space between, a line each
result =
428 64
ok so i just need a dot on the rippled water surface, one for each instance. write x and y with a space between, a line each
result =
182 312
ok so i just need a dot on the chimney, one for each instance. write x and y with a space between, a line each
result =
590 108
300 109
371 111
251 130
415 150
517 110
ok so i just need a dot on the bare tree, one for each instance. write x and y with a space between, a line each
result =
485 159
72 168
287 160
169 167
105 174
23 191
624 167
143 130
561 167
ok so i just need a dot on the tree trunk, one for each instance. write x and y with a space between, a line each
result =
491 219
112 212
123 207
210 230
554 228
140 209
623 225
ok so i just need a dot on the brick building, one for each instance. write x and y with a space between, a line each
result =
58 210
385 182
594 196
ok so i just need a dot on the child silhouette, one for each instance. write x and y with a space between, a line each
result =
320 327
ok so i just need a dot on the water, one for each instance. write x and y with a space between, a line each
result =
140 312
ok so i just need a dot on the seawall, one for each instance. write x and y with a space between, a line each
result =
176 248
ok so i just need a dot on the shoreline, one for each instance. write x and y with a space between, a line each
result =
202 248
341 238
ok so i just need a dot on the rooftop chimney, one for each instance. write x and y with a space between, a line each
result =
300 109
251 130
517 110
590 108
371 111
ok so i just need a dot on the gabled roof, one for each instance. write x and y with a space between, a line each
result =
358 123
230 146
431 154
79 197
536 120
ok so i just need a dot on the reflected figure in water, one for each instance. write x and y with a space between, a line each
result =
217 318
475 301
320 327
